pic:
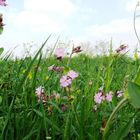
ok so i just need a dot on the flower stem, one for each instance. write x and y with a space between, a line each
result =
118 107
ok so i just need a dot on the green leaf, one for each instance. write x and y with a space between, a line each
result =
67 127
55 106
0 99
137 78
134 94
30 134
122 131
1 50
112 116
38 113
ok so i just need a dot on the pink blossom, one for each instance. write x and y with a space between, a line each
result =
65 81
2 3
39 91
98 98
72 74
51 67
109 96
119 94
60 53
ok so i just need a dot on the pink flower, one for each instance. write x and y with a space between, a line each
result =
39 91
2 3
65 81
72 74
119 94
40 94
51 67
60 53
98 98
109 96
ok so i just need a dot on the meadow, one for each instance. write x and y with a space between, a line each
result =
70 97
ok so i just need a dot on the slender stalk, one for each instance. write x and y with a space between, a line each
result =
134 22
118 107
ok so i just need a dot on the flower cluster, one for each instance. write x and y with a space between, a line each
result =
67 79
40 94
42 97
2 3
101 96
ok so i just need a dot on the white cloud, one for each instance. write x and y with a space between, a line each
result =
130 5
36 21
115 26
44 15
64 7
121 30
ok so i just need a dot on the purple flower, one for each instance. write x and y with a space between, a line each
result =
99 97
65 81
2 3
60 53
72 74
119 94
109 96
50 68
39 91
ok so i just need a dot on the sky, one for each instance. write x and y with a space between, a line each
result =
77 20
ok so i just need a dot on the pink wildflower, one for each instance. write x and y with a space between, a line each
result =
72 74
50 68
60 53
39 91
109 96
2 3
98 98
41 97
119 94
65 81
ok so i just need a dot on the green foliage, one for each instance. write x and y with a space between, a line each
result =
23 117
134 94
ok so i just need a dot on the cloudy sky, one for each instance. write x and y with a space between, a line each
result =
77 20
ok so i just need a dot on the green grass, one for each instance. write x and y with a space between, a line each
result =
23 118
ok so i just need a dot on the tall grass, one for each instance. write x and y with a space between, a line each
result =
22 117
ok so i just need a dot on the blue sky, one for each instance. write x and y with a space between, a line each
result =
77 20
